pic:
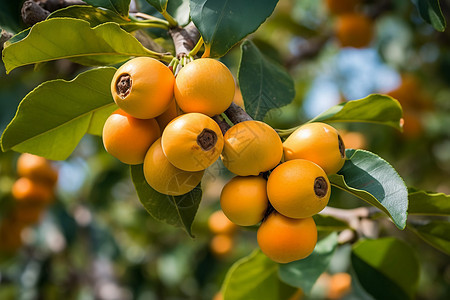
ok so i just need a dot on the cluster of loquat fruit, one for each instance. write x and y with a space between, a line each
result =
352 27
224 231
176 151
33 192
286 196
175 148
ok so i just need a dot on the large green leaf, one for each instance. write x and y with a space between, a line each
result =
435 233
174 210
431 12
425 203
51 120
329 223
375 108
179 10
304 273
255 277
120 7
223 24
264 84
387 268
95 16
370 178
71 38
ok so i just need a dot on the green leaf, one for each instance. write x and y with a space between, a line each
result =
255 277
435 233
304 273
120 7
264 84
160 5
223 24
71 38
329 223
179 9
178 211
431 12
370 178
375 108
426 203
51 119
95 16
387 268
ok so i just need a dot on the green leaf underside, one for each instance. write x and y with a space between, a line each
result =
179 10
223 24
431 12
60 38
264 84
370 178
52 119
178 211
120 7
388 263
160 5
95 16
375 108
329 223
431 204
255 277
435 233
305 272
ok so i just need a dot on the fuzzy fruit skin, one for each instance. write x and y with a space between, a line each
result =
180 145
25 190
339 7
291 192
128 138
244 200
164 177
36 168
317 142
354 30
204 85
284 240
251 147
151 87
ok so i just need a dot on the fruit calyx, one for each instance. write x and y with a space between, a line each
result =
123 85
207 139
320 187
341 146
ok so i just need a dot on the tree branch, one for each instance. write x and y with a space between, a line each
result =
37 11
4 37
236 114
184 39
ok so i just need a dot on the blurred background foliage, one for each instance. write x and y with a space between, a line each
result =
96 241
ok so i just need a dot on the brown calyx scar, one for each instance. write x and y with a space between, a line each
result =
341 146
123 85
207 139
320 187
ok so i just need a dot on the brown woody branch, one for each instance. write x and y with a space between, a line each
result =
37 11
184 39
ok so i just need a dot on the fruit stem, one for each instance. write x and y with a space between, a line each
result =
184 39
197 47
172 22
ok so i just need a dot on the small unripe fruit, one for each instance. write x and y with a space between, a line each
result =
251 147
25 190
205 86
192 142
164 177
143 87
319 143
298 188
36 168
128 138
244 200
285 240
